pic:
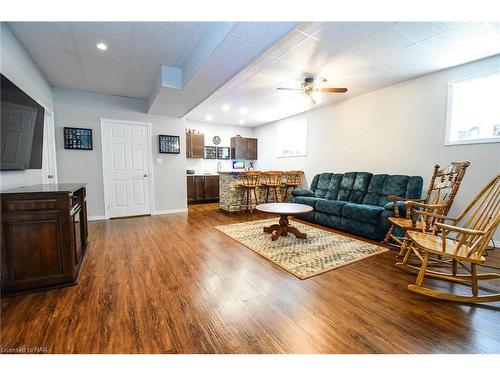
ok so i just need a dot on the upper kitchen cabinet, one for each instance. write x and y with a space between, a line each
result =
195 144
244 148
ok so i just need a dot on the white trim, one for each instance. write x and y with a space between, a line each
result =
172 211
149 125
96 217
449 104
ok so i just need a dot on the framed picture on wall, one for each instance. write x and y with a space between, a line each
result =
223 153
210 152
77 138
169 144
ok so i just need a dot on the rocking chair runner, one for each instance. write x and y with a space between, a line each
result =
472 230
443 187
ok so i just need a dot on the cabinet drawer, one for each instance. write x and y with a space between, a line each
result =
30 205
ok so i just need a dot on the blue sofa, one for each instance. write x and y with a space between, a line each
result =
357 202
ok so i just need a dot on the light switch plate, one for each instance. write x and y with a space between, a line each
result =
159 161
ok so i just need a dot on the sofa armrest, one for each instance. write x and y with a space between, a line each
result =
400 204
301 192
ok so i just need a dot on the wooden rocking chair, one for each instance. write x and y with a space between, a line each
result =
464 241
443 188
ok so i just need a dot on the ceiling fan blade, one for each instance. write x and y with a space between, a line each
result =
287 88
333 89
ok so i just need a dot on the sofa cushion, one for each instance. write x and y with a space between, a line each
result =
334 187
323 184
330 207
374 190
414 188
301 192
393 184
362 212
310 201
346 186
360 186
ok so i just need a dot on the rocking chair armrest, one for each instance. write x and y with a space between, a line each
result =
396 198
453 228
411 203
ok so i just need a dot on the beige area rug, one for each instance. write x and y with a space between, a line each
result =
322 251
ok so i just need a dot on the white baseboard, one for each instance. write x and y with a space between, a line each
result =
173 211
97 217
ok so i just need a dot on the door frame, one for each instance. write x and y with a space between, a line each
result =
49 157
105 122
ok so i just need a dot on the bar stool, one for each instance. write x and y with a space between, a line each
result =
293 179
249 183
271 181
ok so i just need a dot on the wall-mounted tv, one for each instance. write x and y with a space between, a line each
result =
21 128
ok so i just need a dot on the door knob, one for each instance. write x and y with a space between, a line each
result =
145 175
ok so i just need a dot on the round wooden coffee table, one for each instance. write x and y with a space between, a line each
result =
284 210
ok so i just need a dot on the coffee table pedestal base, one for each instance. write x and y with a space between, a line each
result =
283 228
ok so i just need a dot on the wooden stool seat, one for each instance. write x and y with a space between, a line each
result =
293 179
249 183
271 181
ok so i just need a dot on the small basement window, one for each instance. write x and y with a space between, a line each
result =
474 110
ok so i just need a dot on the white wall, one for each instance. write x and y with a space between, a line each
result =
16 65
85 109
210 130
397 130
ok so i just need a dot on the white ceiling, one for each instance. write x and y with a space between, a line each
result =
249 61
66 52
361 56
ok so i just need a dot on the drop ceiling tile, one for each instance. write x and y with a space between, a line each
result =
140 53
310 54
309 28
262 33
121 30
344 34
496 27
140 79
288 42
47 56
162 35
465 43
419 31
384 42
235 53
404 57
87 41
103 74
51 34
191 44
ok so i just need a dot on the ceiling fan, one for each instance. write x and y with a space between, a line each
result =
312 86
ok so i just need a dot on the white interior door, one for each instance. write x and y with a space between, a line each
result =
126 173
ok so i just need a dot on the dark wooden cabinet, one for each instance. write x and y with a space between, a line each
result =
244 148
202 189
195 145
44 236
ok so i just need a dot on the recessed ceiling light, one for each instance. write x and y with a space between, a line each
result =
208 117
243 110
241 122
102 46
226 107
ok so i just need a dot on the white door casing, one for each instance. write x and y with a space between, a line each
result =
126 167
49 163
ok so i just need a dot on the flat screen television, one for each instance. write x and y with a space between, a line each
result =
21 128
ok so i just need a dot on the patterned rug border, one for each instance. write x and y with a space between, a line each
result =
383 249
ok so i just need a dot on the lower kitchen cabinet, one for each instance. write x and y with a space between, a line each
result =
202 189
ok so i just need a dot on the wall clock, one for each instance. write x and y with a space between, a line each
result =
216 140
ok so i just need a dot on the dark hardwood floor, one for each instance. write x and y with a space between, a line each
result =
173 284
